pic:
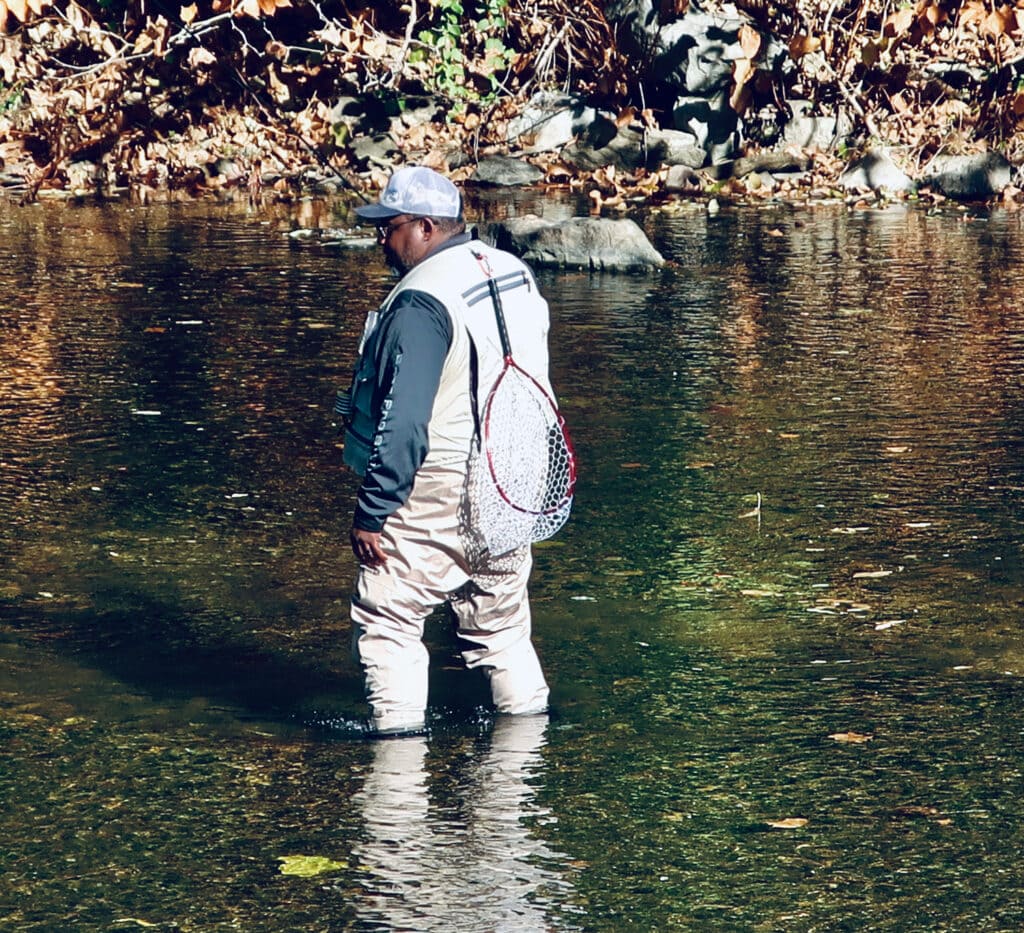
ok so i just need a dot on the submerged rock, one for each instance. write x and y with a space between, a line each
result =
597 243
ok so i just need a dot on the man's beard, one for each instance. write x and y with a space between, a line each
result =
394 261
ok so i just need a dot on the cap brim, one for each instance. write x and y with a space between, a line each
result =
376 212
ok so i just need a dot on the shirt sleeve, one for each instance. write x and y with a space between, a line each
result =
411 344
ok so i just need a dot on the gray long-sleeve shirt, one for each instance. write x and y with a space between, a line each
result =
408 348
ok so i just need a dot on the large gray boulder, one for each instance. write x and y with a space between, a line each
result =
549 121
974 177
624 148
505 171
597 243
875 170
815 131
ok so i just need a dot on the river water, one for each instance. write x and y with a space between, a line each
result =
783 627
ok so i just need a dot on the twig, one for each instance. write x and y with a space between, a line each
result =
406 41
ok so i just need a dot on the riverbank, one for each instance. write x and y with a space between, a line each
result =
269 101
793 174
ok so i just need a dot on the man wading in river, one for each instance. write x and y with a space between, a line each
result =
411 417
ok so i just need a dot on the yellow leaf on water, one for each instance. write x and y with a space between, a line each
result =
791 822
852 738
308 866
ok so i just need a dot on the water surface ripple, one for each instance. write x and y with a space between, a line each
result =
783 628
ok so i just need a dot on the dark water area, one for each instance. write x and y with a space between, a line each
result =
782 629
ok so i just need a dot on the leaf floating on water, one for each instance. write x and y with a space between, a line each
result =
852 738
851 530
631 466
136 921
758 593
308 866
882 626
913 811
896 450
918 525
872 574
791 822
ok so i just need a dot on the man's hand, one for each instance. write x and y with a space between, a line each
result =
366 547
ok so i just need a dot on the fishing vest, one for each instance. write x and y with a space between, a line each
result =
457 276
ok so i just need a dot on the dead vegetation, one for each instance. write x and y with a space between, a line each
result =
222 95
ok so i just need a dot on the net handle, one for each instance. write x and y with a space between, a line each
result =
499 311
499 314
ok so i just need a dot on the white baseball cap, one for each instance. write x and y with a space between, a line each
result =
415 189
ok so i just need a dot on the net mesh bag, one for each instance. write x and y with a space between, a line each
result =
521 479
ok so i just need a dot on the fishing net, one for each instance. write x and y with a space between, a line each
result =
523 476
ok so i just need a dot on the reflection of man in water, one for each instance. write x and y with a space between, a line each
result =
463 860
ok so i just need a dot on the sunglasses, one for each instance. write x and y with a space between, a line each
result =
385 230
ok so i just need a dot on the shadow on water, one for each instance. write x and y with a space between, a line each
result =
782 628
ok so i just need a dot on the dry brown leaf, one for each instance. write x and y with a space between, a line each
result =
934 15
750 41
801 45
189 13
200 57
972 13
742 71
790 822
899 23
17 8
999 22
